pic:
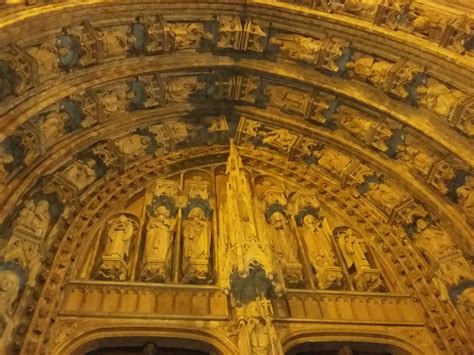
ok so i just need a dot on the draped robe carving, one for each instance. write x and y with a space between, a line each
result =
197 242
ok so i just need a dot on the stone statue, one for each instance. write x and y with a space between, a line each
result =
159 245
114 259
465 195
197 244
320 253
257 335
354 252
298 47
9 290
372 70
69 50
438 97
34 217
138 37
119 235
134 145
285 247
81 173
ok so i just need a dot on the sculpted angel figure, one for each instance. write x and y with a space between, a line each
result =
9 289
370 69
197 243
119 235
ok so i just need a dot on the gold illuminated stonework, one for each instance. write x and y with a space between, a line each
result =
236 177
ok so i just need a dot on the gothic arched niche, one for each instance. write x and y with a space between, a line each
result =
250 168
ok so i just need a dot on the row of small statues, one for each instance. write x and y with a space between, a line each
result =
160 239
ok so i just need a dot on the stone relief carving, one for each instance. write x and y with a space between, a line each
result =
179 89
186 35
368 129
47 58
384 197
134 146
34 217
322 53
115 42
465 194
113 261
81 173
416 155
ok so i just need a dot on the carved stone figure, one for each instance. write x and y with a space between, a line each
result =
465 195
286 248
257 335
280 138
197 243
354 253
320 252
416 156
114 100
138 36
134 145
69 50
333 161
5 158
287 99
47 59
186 35
298 47
362 8
114 259
119 235
9 290
115 43
52 126
179 89
372 70
81 173
438 97
383 196
159 245
433 241
34 217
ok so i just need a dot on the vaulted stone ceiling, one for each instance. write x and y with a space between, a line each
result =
370 105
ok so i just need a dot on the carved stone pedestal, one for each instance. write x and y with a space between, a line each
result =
368 280
329 276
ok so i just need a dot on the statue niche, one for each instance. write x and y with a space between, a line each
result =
285 245
115 257
365 277
196 246
320 252
159 244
